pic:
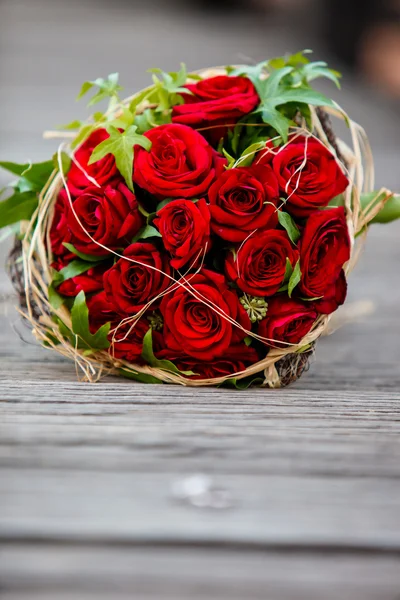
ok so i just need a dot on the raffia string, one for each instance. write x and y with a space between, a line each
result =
281 365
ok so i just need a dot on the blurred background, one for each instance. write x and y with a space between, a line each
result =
49 47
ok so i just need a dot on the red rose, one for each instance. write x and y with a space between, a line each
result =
192 325
111 216
220 100
335 296
235 360
185 229
308 175
180 163
243 200
89 282
59 232
324 248
101 311
260 264
287 321
126 339
131 284
103 171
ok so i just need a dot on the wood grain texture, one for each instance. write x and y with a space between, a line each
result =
88 472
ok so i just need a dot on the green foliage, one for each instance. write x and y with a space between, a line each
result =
148 356
141 377
287 222
146 232
391 210
31 179
107 88
121 145
168 87
283 81
295 278
80 326
243 384
65 162
19 207
248 155
92 258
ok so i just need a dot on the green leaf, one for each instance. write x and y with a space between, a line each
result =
243 384
82 135
287 222
163 203
19 207
148 356
121 145
85 257
279 122
107 88
80 326
142 377
70 126
295 278
55 299
391 210
300 95
247 157
33 176
147 232
231 160
74 268
270 85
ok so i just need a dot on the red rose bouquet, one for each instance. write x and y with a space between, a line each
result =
199 232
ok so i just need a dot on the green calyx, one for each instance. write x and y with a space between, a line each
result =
255 307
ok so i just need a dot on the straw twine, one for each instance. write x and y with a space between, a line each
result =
29 265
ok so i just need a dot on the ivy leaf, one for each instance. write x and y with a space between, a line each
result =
295 278
82 135
55 298
107 88
287 222
314 70
80 326
85 257
19 207
147 232
124 120
121 145
270 85
148 356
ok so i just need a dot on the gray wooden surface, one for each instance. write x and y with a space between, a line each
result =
310 475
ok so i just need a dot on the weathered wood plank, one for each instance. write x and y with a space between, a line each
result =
87 572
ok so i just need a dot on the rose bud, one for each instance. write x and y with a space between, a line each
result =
137 278
308 175
194 317
217 101
180 163
126 339
235 359
259 266
243 200
324 249
288 320
185 229
103 171
111 217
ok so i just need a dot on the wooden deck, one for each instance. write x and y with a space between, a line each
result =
120 490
